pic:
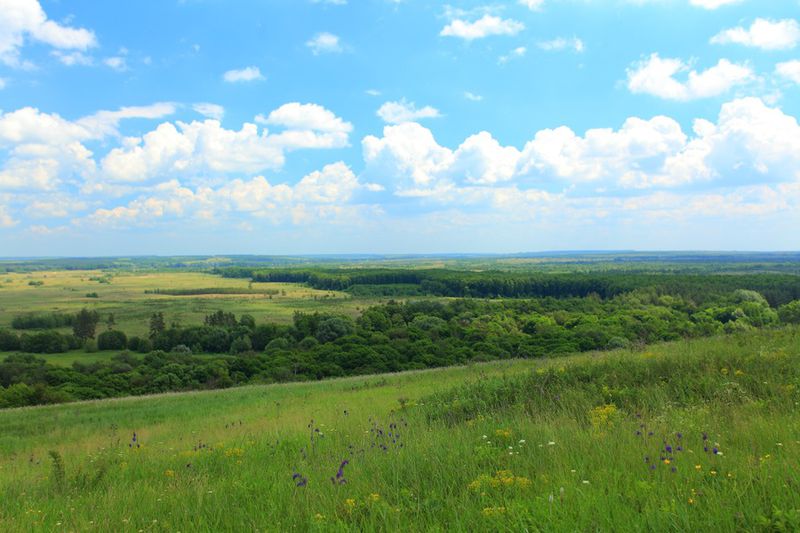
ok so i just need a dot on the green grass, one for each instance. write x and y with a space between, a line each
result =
503 446
66 291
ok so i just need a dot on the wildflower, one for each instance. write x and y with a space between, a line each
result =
374 497
668 448
319 517
493 511
585 481
667 461
551 498
698 467
713 472
169 473
715 450
551 443
691 501
350 503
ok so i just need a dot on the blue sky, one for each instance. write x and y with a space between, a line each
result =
398 126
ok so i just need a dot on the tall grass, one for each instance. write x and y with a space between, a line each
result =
689 436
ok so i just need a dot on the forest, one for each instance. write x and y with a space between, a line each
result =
485 316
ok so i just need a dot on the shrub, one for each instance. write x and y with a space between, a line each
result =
44 342
8 341
790 313
112 340
241 345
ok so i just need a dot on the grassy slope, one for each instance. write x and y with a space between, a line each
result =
444 475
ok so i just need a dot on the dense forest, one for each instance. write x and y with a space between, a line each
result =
778 289
591 313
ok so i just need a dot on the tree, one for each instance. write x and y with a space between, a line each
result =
110 322
112 340
790 313
157 324
85 324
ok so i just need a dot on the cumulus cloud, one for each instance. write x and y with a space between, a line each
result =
405 111
324 193
23 20
243 75
763 33
324 43
206 147
751 143
485 26
789 70
656 76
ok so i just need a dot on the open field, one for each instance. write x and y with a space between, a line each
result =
586 442
123 293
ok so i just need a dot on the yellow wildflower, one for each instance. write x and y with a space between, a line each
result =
374 497
493 511
169 473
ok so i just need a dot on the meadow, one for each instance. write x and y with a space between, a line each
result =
129 296
699 435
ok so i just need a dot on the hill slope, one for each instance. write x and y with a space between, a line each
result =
682 436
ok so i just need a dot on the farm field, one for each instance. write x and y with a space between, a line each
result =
123 294
684 436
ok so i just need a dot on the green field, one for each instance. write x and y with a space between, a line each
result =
124 295
561 444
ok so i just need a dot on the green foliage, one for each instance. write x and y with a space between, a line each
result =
85 324
42 321
790 313
112 340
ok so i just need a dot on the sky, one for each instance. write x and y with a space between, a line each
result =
398 126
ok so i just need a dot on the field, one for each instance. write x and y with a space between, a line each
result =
123 293
699 435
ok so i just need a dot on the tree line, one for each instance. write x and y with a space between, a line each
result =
227 350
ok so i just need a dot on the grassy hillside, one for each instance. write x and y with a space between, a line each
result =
688 436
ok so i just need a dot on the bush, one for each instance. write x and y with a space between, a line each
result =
8 341
44 342
112 340
137 344
241 345
790 313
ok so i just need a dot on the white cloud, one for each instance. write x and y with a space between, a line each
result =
533 5
334 2
713 4
656 76
373 92
2 84
208 110
404 111
325 194
202 148
789 70
763 33
324 43
104 123
25 19
117 63
472 97
520 51
243 75
6 221
562 43
483 27
71 59
751 144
